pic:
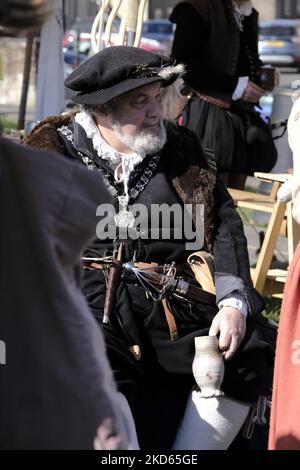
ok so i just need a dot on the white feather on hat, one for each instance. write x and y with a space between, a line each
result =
167 72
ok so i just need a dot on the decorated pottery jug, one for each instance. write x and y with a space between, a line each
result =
208 366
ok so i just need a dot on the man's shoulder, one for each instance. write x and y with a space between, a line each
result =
177 134
45 135
203 7
186 148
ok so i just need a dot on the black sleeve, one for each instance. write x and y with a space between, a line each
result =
252 32
190 47
232 268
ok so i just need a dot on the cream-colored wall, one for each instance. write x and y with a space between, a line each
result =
266 8
12 51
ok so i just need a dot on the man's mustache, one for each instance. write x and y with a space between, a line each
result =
150 127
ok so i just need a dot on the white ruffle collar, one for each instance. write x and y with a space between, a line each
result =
103 149
125 162
245 9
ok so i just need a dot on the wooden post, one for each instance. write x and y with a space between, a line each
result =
267 250
25 83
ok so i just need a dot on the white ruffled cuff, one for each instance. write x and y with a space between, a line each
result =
235 300
240 88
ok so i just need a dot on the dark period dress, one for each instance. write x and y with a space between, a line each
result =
216 53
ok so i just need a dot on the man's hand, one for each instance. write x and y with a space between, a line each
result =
107 438
253 93
230 325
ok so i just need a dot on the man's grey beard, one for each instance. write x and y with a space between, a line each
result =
145 142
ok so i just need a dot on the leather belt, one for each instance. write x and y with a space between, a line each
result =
139 264
196 293
215 101
165 303
92 266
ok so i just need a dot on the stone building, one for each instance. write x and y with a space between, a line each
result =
268 9
288 8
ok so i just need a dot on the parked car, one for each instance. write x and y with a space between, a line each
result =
77 41
279 42
74 56
81 29
160 30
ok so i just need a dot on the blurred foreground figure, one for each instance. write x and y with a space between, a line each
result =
22 16
56 387
285 415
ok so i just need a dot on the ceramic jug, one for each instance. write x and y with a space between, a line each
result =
208 366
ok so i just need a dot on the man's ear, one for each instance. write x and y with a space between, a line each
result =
102 109
107 108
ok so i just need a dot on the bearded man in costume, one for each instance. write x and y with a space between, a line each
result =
143 160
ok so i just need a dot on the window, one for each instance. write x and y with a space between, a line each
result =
277 31
288 9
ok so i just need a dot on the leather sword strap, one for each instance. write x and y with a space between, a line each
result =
215 101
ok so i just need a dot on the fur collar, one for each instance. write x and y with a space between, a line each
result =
44 135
